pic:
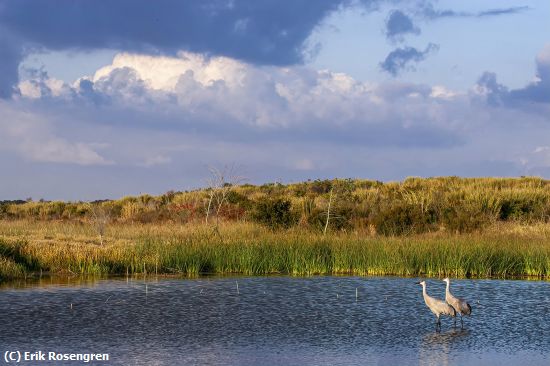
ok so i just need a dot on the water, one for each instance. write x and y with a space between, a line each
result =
278 321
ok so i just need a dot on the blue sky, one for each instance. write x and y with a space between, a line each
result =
100 99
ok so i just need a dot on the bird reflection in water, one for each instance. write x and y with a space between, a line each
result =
435 348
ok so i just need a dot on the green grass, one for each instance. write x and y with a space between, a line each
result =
245 248
10 269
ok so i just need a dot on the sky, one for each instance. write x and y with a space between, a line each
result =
102 99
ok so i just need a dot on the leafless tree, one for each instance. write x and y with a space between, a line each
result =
338 190
101 216
220 184
328 211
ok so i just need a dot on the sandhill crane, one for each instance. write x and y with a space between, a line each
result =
460 305
438 307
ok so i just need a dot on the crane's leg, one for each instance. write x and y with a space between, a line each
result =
461 322
454 318
438 323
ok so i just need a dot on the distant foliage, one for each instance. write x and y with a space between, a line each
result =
275 213
401 218
415 205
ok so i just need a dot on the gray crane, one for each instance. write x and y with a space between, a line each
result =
460 305
438 307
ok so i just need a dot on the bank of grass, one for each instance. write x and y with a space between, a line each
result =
505 250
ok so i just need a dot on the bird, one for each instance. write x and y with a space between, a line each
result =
438 307
461 306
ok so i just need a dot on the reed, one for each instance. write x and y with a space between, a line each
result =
506 250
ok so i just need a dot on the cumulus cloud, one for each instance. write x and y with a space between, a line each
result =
241 101
199 110
403 57
399 24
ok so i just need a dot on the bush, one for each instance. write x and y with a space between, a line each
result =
401 218
464 219
340 218
275 213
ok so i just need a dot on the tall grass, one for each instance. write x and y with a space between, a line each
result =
413 206
246 248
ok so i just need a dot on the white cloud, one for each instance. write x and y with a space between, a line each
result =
42 88
31 136
221 89
163 73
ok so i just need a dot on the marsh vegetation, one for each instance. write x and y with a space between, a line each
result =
432 227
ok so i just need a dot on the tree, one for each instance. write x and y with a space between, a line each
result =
328 211
101 216
220 184
336 215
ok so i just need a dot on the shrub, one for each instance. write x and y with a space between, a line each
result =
275 213
401 218
340 218
464 219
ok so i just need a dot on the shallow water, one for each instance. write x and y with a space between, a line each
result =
278 321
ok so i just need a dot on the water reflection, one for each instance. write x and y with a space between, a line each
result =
435 348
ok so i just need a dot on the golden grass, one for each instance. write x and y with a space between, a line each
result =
503 250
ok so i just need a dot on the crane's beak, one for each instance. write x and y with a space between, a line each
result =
418 283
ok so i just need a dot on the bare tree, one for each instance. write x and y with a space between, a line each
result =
339 189
328 211
101 216
220 184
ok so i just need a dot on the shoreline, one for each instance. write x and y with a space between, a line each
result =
509 251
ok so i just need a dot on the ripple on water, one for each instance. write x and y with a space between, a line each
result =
280 321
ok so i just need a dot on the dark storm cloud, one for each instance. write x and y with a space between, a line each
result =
401 58
10 56
259 32
399 24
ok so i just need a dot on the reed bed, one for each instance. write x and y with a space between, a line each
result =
28 248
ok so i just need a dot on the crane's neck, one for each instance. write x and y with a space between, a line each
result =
424 290
448 286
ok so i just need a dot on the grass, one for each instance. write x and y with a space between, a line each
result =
503 250
415 205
